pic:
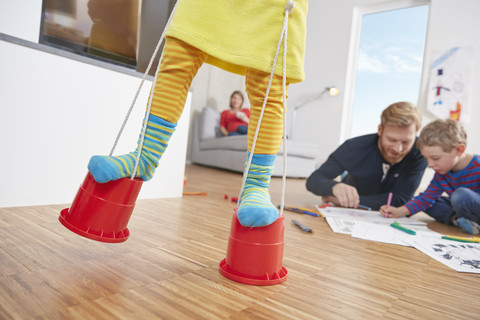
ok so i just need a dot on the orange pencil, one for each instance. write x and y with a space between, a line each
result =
185 193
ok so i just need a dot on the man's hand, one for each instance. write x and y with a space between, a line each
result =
331 199
346 195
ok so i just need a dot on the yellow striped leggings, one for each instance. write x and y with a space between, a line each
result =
179 65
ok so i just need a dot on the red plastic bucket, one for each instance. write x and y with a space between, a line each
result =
101 211
254 255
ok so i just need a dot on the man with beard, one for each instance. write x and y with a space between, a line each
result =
374 165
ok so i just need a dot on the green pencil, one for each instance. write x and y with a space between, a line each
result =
460 239
397 225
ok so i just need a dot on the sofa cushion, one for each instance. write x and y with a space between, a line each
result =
209 124
302 150
225 143
239 143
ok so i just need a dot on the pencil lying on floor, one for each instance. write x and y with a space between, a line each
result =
187 193
301 226
397 225
462 239
299 210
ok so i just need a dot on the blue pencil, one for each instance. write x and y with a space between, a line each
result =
364 207
293 209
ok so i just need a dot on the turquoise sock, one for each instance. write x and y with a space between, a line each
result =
256 208
468 226
157 135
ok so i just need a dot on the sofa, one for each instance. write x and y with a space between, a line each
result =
211 148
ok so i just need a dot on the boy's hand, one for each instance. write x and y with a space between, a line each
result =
394 212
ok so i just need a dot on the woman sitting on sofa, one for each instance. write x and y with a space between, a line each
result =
235 121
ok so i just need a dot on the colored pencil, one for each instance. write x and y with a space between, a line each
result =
397 225
462 239
298 210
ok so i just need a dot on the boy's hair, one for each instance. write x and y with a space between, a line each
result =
446 134
401 114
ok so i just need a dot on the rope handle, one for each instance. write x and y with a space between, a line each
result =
283 37
147 112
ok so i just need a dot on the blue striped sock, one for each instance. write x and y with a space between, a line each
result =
468 226
256 208
157 135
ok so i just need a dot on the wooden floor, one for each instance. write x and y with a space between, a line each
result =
168 268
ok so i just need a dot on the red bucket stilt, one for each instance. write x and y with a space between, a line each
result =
254 255
100 211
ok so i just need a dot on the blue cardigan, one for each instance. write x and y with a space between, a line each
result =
359 161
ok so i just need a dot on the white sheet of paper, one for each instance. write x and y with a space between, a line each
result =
460 256
340 226
377 232
364 216
385 233
370 225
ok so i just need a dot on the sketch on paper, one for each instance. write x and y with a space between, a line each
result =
370 225
462 257
450 83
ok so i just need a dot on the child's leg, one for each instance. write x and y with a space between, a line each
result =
442 211
255 208
466 204
179 65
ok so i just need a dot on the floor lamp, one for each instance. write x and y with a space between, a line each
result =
331 91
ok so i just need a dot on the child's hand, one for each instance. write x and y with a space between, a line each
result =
394 212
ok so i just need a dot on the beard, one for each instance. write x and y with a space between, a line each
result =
390 155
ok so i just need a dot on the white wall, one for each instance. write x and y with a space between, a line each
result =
452 24
329 26
21 18
56 113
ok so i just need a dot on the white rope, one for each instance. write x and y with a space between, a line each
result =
289 8
147 112
283 36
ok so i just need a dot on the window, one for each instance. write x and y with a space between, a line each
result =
123 32
389 64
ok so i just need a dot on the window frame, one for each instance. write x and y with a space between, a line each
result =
353 57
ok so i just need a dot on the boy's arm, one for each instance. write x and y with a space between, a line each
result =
426 199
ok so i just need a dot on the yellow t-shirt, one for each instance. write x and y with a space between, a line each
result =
240 34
